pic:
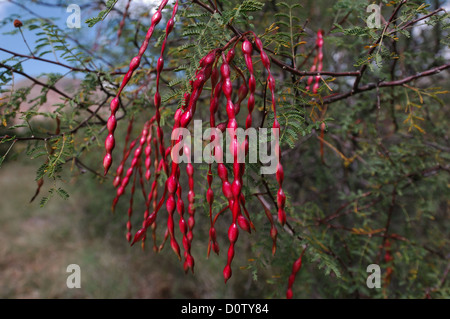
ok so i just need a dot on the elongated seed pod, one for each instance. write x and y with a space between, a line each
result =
233 231
130 208
114 106
319 60
120 168
122 22
172 182
281 197
191 207
136 157
148 155
317 65
295 269
119 172
273 229
214 102
159 67
247 49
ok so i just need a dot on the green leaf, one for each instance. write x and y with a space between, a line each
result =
102 14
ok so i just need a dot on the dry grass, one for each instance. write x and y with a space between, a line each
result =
37 245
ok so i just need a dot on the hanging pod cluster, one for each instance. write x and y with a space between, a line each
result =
151 156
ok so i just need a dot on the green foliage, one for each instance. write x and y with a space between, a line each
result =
109 5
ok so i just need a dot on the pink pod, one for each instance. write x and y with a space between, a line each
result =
247 47
233 233
170 25
107 161
244 224
175 247
210 196
282 216
280 174
139 235
289 293
265 59
222 171
281 198
114 106
170 204
172 184
230 55
109 143
227 272
134 64
212 234
156 17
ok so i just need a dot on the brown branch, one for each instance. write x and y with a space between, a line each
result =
375 45
277 62
60 64
422 18
50 87
371 86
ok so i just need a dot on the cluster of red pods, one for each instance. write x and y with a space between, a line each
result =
151 156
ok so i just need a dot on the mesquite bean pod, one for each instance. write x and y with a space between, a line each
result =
233 231
281 197
295 269
166 161
317 65
114 106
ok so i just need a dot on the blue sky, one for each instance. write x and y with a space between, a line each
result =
59 16
15 43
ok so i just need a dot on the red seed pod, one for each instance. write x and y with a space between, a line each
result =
107 161
212 241
281 198
139 235
276 125
317 65
247 47
114 106
247 215
18 23
134 64
209 196
227 272
156 17
295 269
122 22
134 163
289 293
222 171
242 94
111 124
244 224
190 262
280 174
232 192
233 233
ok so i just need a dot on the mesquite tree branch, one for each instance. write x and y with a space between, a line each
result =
372 86
54 89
